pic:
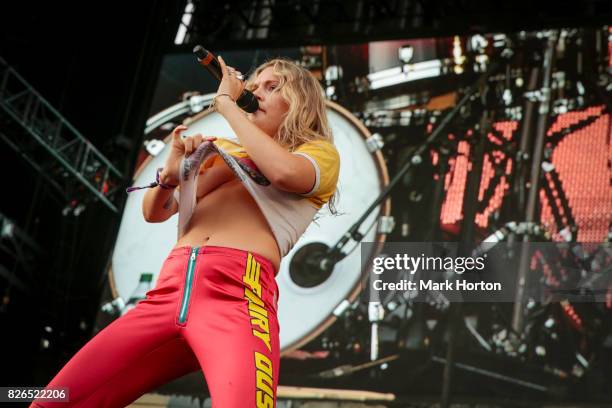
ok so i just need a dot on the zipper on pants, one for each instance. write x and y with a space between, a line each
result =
182 317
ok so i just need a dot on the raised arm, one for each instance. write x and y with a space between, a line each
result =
285 171
159 204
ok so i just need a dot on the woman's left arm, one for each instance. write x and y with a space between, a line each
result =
286 171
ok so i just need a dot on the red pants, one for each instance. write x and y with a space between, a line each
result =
213 308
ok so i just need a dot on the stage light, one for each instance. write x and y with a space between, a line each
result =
8 229
185 23
458 57
478 43
480 62
549 323
79 209
507 97
405 53
499 40
333 73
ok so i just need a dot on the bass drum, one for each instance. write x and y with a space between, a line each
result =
304 310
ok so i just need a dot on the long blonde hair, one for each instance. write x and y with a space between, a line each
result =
305 119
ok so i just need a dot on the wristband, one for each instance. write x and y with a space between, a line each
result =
156 183
213 105
222 94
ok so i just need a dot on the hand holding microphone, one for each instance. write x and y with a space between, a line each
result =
231 80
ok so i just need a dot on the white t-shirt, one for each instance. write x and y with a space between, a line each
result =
288 214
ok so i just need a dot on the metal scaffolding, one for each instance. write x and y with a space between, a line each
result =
54 148
282 23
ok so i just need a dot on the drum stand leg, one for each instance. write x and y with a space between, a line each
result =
532 198
470 209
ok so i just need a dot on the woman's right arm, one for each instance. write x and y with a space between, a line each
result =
159 204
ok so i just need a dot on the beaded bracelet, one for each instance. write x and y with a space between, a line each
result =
155 183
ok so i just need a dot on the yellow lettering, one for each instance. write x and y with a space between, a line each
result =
257 310
264 400
251 275
265 337
264 383
262 362
253 298
261 323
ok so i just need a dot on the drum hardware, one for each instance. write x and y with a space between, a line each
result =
539 95
334 254
374 142
154 146
532 195
197 103
341 308
350 369
564 105
376 313
562 214
552 327
301 267
191 106
492 374
482 92
386 224
512 227
470 325
514 113
438 300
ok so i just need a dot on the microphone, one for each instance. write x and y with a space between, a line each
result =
247 101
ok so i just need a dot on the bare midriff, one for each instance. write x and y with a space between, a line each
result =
229 217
